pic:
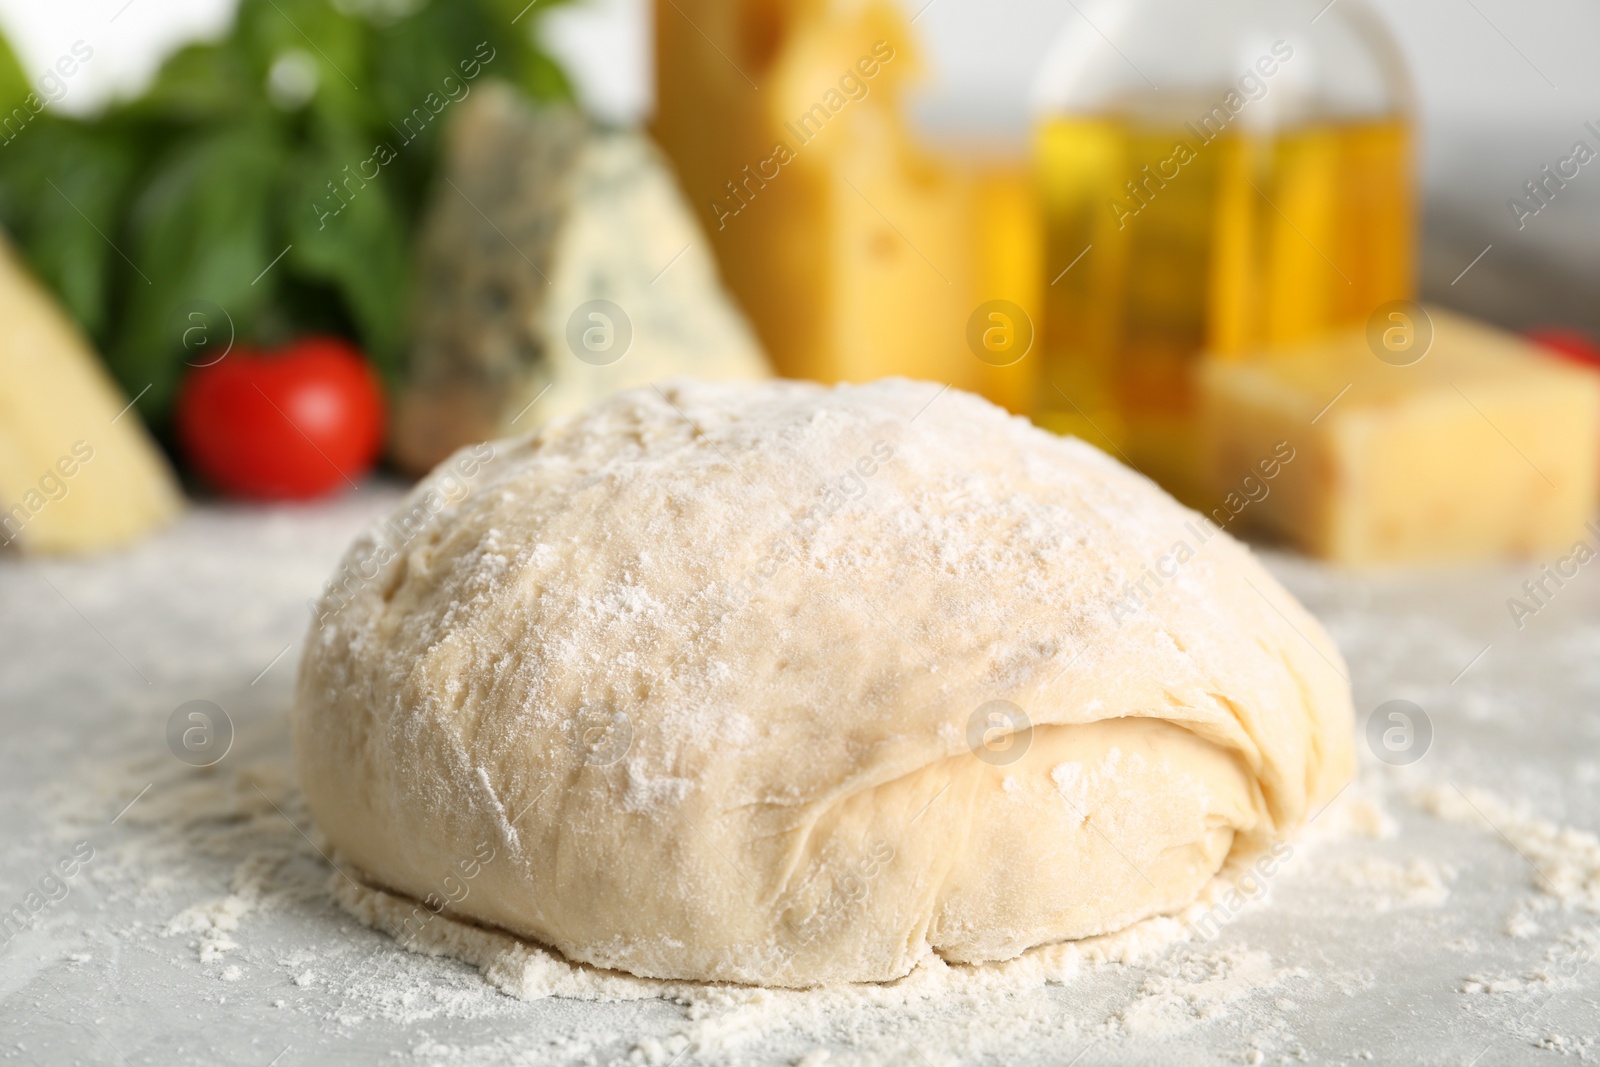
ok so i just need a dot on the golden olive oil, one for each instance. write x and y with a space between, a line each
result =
1166 241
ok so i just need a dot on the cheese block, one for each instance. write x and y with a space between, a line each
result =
78 472
558 263
1483 447
859 248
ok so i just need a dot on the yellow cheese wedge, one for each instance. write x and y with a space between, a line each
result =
857 249
1482 447
78 473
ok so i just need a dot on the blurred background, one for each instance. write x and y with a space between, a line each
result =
311 237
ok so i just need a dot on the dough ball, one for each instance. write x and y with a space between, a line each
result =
785 684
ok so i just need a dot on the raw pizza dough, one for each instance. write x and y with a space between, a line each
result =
784 684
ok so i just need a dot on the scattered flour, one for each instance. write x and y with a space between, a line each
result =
1194 987
1419 883
1563 962
215 920
1565 861
1355 814
1521 925
1564 866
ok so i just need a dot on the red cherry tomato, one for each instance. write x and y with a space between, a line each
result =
1572 344
292 424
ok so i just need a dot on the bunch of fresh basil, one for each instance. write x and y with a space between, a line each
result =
311 132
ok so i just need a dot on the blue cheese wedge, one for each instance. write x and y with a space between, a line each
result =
559 263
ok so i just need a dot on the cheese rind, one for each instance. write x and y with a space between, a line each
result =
78 473
1483 448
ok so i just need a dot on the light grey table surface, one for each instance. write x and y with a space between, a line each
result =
95 656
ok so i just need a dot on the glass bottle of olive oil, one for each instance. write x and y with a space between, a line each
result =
1214 179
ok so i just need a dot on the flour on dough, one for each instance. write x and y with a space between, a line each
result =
789 685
